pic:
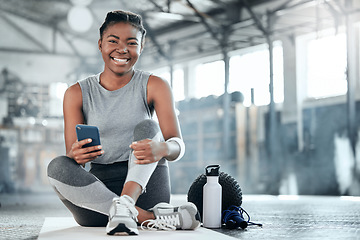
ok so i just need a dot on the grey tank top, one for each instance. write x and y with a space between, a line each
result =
115 113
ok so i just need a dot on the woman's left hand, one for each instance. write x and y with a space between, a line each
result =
149 151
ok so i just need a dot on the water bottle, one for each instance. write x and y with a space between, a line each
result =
212 196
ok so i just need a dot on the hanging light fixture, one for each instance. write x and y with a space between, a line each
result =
79 17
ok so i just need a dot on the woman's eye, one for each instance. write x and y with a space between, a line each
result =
133 43
112 41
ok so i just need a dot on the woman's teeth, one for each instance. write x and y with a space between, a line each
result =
120 60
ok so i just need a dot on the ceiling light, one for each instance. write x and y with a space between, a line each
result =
80 18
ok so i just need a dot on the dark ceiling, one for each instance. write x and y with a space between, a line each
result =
178 29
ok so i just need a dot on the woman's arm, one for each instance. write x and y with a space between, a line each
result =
160 96
73 115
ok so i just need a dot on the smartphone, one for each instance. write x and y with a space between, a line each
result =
85 131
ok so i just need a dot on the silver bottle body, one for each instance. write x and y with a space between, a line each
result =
212 202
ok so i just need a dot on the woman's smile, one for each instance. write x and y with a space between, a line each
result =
120 61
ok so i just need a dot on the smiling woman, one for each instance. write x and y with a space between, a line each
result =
135 150
120 46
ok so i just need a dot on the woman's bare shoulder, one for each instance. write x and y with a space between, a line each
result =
73 94
158 83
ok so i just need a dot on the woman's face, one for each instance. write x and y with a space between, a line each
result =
120 47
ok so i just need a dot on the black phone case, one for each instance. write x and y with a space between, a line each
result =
86 131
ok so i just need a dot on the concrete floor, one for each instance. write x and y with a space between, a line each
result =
283 217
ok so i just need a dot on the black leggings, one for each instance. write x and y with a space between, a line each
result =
157 189
112 177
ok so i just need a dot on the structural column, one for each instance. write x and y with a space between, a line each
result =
351 75
226 106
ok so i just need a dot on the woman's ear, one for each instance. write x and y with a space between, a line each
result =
99 44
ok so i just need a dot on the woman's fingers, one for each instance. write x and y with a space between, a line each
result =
141 145
144 161
83 155
147 151
80 144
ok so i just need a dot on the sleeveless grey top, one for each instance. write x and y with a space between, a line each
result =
115 113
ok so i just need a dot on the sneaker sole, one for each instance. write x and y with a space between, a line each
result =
122 229
192 210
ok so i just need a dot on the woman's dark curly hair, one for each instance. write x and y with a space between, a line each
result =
114 17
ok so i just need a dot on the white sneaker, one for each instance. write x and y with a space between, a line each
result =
122 217
168 217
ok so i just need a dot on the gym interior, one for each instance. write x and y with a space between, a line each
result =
269 90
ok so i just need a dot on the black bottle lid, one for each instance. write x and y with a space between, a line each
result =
212 170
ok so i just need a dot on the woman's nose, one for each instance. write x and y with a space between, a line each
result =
122 48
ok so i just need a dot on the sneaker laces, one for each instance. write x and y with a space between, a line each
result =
166 222
124 207
233 212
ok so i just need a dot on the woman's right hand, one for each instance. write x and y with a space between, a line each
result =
83 155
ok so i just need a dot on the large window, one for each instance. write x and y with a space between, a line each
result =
178 85
56 91
248 71
210 79
252 71
326 66
178 81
